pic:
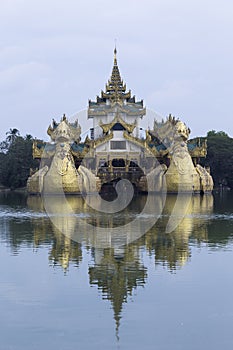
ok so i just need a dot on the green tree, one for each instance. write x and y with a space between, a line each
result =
217 133
12 135
15 164
220 157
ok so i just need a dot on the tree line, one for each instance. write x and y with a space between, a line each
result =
220 158
16 159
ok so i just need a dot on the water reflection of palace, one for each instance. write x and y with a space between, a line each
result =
182 217
118 269
173 248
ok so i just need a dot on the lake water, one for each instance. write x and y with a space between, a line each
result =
114 286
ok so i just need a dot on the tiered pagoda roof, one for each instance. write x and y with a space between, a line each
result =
115 90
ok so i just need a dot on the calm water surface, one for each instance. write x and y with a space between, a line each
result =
162 290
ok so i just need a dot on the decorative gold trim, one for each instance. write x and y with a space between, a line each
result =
39 153
144 144
118 119
200 151
79 154
93 110
102 140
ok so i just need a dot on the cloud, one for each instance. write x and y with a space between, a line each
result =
25 76
55 55
173 91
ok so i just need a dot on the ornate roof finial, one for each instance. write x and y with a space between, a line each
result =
115 55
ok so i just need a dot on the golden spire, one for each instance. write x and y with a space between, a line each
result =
115 88
115 56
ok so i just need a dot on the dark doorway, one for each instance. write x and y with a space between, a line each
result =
118 163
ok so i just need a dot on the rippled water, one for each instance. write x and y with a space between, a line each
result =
170 288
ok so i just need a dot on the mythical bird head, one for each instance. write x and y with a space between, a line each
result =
181 131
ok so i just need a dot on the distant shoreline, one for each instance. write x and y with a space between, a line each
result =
6 189
24 189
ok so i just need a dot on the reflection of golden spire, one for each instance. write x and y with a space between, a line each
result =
117 278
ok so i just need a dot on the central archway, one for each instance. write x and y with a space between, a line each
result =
118 163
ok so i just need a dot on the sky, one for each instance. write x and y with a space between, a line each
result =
176 55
